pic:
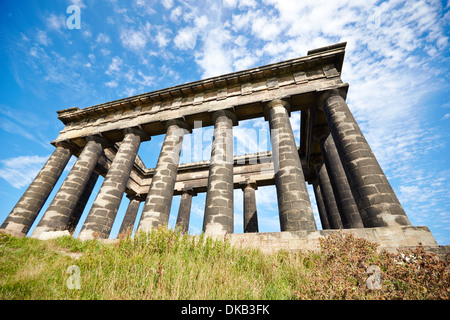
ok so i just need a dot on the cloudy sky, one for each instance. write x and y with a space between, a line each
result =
397 65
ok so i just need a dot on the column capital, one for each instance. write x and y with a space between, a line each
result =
178 122
323 95
68 145
227 113
137 131
189 191
100 139
135 196
275 103
248 184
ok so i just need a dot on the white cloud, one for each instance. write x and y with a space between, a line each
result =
145 80
133 39
105 51
103 38
167 4
128 92
145 6
247 3
230 3
42 38
111 84
20 171
186 38
214 58
265 29
114 66
201 22
87 33
55 22
176 13
162 38
245 62
78 3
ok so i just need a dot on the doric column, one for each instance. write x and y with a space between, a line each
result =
159 198
374 196
184 212
104 209
321 206
344 198
293 201
250 212
219 211
130 215
59 212
27 208
334 218
81 204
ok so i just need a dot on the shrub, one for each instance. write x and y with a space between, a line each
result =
348 267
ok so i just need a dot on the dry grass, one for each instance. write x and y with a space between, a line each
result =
168 265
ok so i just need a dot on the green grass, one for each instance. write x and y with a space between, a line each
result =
168 265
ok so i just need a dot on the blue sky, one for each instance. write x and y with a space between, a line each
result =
397 65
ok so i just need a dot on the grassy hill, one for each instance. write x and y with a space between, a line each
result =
165 264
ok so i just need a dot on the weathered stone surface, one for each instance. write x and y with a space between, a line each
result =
159 199
219 211
329 201
293 201
184 211
27 208
130 215
389 238
374 196
60 210
101 217
81 204
321 206
344 198
250 211
47 235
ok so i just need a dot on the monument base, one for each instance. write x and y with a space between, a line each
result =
388 238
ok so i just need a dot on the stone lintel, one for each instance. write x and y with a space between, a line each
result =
333 54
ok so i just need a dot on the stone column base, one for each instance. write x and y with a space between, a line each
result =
48 235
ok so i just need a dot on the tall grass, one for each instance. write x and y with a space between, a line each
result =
164 264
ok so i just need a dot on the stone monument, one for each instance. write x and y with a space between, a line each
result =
351 190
